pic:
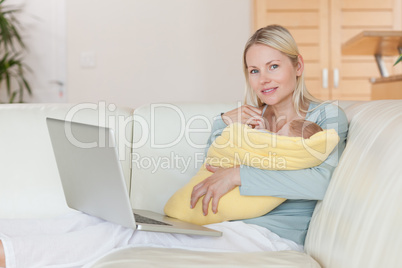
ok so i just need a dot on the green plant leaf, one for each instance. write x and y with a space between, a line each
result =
12 97
17 36
8 84
398 60
27 86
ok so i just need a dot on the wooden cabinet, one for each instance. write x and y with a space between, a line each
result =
320 27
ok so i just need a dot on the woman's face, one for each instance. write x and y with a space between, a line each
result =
271 74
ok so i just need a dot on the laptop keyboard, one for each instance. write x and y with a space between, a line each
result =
142 219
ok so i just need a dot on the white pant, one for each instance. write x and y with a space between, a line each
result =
76 239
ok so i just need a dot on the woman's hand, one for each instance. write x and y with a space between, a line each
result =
214 187
245 114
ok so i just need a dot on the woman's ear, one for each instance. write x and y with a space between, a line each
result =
300 65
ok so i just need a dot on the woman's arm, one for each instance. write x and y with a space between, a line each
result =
308 183
214 187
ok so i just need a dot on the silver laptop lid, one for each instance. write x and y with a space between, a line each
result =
90 172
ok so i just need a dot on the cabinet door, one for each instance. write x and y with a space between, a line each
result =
307 20
349 18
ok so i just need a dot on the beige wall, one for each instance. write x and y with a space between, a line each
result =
156 50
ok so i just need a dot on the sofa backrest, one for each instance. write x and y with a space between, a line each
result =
168 149
30 183
358 224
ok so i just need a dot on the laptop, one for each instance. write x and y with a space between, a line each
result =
93 180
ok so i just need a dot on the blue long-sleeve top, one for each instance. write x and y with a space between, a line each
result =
302 188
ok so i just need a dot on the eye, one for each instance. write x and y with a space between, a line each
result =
273 66
254 71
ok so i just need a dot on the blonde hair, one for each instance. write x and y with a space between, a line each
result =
303 128
280 39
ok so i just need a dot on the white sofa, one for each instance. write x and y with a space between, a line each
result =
358 224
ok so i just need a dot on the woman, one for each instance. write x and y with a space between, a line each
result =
273 69
275 84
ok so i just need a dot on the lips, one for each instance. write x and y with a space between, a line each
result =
268 90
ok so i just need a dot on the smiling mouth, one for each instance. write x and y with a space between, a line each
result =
269 90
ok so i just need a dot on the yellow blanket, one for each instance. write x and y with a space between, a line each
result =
242 145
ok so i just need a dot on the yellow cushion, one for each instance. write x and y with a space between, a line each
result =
241 145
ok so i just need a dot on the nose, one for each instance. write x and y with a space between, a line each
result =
265 77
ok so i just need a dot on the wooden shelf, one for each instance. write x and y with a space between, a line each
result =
385 43
393 78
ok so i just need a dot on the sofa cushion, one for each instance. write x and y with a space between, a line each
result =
358 222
